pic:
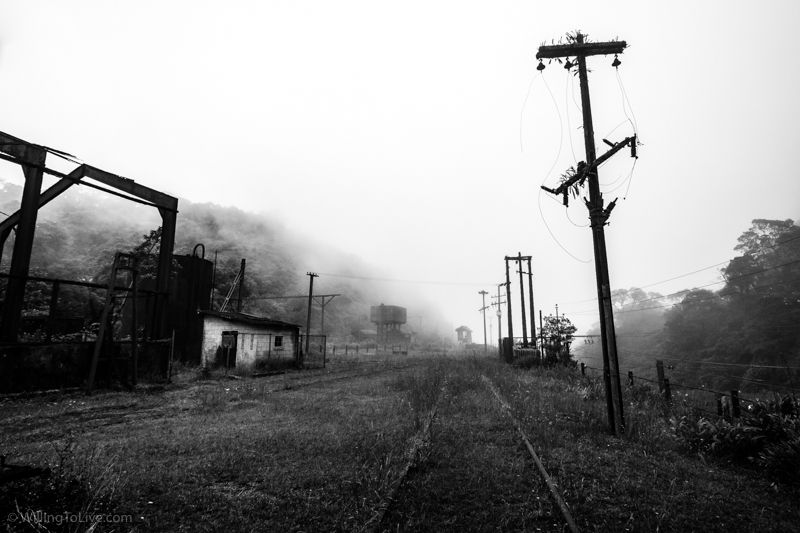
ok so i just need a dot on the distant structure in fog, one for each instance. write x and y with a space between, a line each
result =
464 335
388 319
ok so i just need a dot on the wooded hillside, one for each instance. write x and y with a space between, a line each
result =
78 233
742 332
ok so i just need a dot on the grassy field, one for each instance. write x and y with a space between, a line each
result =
325 451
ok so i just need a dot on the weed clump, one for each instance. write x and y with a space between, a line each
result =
765 436
79 482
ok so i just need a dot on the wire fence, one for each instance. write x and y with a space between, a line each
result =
707 400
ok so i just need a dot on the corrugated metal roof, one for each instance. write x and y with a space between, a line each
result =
248 319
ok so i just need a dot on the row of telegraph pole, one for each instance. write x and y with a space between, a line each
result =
578 49
519 259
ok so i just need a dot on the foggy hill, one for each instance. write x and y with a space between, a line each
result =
78 233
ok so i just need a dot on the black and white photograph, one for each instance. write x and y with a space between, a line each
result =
375 266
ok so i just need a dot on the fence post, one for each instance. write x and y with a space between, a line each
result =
630 378
735 410
583 369
667 391
660 373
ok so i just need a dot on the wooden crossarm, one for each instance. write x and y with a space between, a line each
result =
591 168
580 49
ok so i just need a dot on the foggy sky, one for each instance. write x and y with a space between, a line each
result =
415 135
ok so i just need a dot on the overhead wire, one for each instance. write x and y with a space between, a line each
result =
683 292
395 280
566 112
741 365
549 172
625 99
779 243
522 110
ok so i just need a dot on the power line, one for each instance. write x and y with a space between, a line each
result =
522 111
773 367
555 239
779 243
677 294
417 282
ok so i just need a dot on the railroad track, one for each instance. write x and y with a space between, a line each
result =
94 417
302 381
414 455
554 493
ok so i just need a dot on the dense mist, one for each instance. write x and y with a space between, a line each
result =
78 233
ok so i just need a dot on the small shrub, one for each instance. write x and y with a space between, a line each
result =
764 436
527 360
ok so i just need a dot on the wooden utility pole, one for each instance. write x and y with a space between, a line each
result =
508 304
483 310
530 296
519 258
530 299
311 276
499 303
522 302
324 300
598 215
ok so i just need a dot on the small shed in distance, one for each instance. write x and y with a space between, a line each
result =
464 335
240 340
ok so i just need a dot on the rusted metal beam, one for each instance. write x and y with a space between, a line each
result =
14 146
82 283
23 243
57 188
51 172
166 248
129 186
32 159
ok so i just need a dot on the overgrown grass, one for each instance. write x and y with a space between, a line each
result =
82 481
297 453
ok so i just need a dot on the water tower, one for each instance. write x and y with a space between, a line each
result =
388 319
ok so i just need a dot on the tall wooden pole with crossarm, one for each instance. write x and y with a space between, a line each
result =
598 215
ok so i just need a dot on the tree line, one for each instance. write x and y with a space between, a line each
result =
743 335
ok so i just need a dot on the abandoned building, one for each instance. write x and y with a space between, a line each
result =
239 340
464 335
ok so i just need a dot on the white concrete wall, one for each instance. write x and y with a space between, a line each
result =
253 342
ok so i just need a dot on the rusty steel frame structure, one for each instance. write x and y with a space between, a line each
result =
31 157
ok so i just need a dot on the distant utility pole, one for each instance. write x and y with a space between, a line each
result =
530 298
499 303
508 303
519 259
530 294
522 302
483 310
579 49
311 276
324 299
